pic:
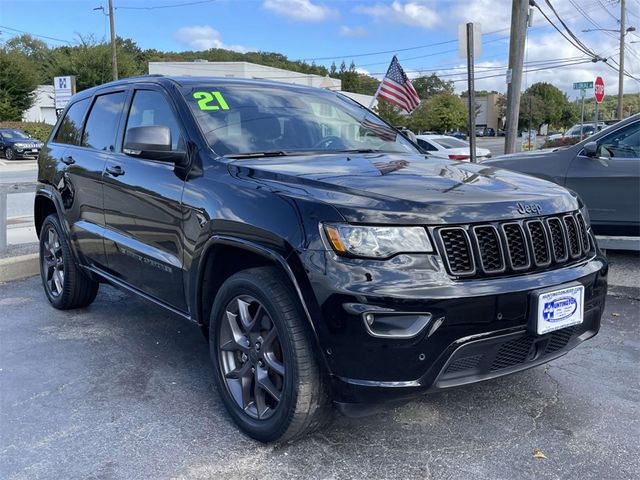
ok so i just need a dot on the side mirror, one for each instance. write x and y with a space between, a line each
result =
152 142
591 149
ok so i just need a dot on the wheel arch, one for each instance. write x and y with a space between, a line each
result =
225 255
43 206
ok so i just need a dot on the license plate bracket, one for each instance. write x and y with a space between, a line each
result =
556 307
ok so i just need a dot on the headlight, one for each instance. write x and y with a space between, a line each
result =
19 145
378 241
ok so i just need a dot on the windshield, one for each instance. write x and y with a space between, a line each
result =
13 134
451 142
242 120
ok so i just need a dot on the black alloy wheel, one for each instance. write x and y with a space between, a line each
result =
64 282
9 154
52 262
264 358
251 357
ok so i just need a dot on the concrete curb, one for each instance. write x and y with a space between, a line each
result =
18 268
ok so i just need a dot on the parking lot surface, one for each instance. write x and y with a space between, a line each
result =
124 390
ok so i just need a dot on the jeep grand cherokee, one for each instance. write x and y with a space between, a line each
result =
327 259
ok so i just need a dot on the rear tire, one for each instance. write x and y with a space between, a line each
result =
265 368
65 285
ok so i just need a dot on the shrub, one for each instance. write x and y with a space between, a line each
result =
39 130
561 142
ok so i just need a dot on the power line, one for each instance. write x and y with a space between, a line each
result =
37 35
175 5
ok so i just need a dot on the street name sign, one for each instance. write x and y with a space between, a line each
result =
582 85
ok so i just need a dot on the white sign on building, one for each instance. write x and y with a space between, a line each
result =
63 88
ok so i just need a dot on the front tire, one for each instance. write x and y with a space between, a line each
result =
9 154
265 368
65 285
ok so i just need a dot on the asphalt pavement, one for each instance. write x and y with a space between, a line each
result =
123 390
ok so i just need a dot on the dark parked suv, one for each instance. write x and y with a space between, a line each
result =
328 261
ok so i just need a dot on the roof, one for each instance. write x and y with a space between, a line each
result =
196 81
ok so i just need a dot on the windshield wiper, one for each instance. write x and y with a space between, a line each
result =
360 150
269 153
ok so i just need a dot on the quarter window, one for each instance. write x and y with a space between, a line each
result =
102 124
70 128
151 108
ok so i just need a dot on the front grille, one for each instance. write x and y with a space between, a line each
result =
514 246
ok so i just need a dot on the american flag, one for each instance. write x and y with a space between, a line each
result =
380 130
396 88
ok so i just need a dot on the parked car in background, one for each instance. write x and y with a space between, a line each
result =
588 129
445 146
457 134
489 132
603 169
480 132
16 144
501 132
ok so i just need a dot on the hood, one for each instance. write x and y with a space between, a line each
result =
383 188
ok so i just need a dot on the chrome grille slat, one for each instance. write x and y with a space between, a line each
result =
515 246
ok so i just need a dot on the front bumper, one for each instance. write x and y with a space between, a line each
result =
26 152
481 332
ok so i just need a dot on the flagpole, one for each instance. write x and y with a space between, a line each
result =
380 86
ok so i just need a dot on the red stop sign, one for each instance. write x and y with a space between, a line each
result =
598 89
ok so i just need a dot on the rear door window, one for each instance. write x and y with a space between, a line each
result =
102 124
70 129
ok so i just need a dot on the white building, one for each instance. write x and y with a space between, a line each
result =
203 68
43 108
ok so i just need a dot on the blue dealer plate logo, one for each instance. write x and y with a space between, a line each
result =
559 309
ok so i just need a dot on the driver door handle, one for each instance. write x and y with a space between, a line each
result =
116 170
68 160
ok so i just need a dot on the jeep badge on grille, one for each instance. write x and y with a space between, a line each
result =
528 208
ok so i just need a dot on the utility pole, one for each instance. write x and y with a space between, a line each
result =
519 13
621 62
472 93
114 59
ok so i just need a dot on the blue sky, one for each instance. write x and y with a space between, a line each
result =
342 29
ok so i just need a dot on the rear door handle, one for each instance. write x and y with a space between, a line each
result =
116 170
68 160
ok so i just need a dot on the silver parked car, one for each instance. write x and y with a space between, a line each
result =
603 169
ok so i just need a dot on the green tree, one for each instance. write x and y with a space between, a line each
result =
427 86
90 62
18 80
392 114
443 112
542 103
37 51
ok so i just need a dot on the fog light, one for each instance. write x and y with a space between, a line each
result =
369 318
396 325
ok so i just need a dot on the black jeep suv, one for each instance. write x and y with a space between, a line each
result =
327 259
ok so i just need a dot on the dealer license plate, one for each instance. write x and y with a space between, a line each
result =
559 309
34 150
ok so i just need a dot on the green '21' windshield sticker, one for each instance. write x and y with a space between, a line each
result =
210 101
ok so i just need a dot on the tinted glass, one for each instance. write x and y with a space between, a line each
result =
13 134
102 124
625 143
426 145
241 119
451 142
151 108
71 127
